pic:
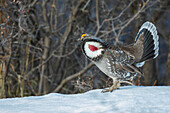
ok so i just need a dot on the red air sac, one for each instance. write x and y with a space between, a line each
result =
92 48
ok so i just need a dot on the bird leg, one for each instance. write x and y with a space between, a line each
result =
127 82
116 85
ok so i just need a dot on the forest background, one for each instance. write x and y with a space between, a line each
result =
40 54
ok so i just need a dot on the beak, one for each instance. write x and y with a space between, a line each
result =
79 39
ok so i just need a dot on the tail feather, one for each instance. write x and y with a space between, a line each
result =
147 40
148 56
150 42
148 49
148 45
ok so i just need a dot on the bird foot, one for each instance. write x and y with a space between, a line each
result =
109 90
115 86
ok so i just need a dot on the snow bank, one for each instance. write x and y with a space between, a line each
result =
129 99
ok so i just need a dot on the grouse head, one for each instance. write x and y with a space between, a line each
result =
93 47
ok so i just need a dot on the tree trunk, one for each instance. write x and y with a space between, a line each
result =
168 64
149 73
43 80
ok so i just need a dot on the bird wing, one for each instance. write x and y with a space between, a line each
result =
131 68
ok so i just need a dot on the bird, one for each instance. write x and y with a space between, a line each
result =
122 62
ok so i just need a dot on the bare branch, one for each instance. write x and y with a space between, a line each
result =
72 77
97 17
131 19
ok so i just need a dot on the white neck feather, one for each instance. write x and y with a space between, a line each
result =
93 54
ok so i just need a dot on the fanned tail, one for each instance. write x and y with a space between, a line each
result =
150 42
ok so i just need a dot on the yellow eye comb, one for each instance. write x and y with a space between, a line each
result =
83 35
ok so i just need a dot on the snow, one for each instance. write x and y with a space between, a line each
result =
128 99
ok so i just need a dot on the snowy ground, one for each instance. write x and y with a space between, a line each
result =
129 99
